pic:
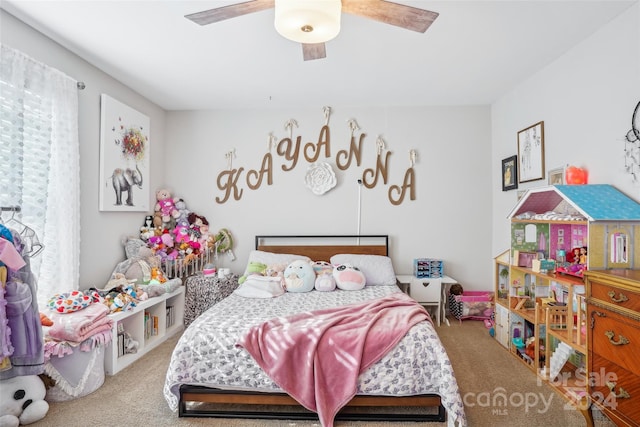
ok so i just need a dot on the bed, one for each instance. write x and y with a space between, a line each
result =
210 376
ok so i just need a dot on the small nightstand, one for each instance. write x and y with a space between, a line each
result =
409 282
203 292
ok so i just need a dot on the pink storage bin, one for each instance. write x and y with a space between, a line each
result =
474 305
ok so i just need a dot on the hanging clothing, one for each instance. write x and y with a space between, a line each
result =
10 256
6 349
22 314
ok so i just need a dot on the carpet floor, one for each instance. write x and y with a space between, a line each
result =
483 368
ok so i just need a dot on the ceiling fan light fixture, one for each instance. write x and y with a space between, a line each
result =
308 21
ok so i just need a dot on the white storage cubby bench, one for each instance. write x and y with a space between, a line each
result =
168 309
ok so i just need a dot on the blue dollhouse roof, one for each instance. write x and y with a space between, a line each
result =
596 202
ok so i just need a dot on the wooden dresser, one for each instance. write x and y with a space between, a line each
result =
613 312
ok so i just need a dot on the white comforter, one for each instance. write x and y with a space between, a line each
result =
206 354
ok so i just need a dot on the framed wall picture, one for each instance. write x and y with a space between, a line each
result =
531 153
509 173
556 176
124 157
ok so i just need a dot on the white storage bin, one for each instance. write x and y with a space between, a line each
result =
76 374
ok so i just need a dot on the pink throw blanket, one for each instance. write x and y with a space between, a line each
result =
79 325
316 357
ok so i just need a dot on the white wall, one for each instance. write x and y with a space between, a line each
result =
586 100
100 246
449 218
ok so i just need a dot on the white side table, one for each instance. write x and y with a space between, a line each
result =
408 281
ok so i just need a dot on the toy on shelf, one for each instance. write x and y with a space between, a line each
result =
517 338
530 350
577 264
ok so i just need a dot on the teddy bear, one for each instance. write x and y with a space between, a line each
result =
183 212
157 220
22 400
140 260
275 270
166 205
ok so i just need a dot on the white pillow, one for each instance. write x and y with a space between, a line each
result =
377 269
270 258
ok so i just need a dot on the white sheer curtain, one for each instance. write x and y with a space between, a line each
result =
40 164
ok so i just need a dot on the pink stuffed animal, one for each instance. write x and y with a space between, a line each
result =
181 233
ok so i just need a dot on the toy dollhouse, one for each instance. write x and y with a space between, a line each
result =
597 222
558 233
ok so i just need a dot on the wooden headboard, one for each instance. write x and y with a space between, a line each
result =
322 248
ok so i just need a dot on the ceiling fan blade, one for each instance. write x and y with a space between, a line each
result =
400 15
311 51
232 11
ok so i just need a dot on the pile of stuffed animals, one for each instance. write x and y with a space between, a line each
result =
174 232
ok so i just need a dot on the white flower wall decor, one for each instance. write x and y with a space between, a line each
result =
320 178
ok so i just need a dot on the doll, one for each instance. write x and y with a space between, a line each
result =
579 260
583 256
148 229
576 256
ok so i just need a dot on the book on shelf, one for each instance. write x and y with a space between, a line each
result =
154 331
170 316
148 323
120 343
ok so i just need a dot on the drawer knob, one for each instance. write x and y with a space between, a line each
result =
622 340
621 298
623 394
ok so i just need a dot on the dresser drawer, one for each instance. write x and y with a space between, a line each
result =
607 384
615 337
614 296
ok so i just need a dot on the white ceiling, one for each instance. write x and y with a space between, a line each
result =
472 54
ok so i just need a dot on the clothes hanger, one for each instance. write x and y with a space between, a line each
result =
32 245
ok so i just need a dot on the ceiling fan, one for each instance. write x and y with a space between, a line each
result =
310 34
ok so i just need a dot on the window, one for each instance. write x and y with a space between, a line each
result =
39 161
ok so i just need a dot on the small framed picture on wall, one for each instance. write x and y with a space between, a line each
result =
556 176
509 173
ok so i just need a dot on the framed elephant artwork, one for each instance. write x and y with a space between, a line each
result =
124 157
